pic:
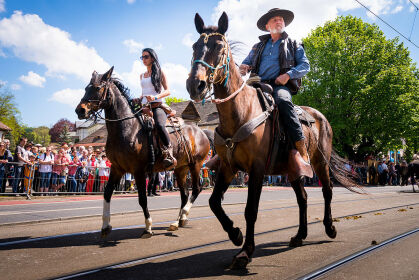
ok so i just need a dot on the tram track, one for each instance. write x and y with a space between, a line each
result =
314 274
51 237
356 256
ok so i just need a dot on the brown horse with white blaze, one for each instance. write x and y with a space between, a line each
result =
127 148
237 103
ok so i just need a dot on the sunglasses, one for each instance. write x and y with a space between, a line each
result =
144 57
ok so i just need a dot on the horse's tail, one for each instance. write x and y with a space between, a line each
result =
210 136
344 176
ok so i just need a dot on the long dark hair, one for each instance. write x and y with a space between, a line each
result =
155 69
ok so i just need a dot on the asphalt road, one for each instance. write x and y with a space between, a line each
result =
47 208
201 250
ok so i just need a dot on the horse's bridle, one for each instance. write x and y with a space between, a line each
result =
223 64
104 95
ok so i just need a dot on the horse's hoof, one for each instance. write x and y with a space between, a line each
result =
331 232
183 223
105 231
295 242
146 234
236 236
240 261
173 227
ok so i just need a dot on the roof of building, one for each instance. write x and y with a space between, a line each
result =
88 123
4 127
206 114
97 137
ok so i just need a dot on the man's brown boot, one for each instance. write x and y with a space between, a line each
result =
168 159
301 147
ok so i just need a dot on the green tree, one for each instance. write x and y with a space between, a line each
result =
170 100
42 135
64 135
10 115
365 84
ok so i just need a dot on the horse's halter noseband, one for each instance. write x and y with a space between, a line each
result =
215 77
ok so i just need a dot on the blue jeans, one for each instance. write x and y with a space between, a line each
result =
72 182
2 174
45 179
287 114
18 178
81 187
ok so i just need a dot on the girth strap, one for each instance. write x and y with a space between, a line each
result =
241 134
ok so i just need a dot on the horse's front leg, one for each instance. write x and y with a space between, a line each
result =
142 200
300 192
114 179
241 260
224 177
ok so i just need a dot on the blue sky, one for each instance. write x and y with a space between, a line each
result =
48 49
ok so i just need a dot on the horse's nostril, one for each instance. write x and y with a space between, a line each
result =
201 86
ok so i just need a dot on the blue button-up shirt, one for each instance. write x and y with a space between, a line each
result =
269 62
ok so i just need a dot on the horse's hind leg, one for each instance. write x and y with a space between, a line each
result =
196 190
180 174
300 192
142 199
114 179
322 171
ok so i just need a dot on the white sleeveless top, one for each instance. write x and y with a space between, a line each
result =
148 89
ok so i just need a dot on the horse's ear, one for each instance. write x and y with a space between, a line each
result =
107 75
199 23
223 23
94 76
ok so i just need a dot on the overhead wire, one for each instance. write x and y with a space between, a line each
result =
408 39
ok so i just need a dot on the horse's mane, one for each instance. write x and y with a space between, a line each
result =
125 92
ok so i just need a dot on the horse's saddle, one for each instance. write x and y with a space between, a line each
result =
174 124
267 102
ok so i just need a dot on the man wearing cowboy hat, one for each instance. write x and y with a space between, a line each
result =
281 62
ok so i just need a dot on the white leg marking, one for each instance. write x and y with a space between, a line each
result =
148 223
187 208
106 217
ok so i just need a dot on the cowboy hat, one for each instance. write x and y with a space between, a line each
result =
287 15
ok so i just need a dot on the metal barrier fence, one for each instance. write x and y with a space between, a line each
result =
27 179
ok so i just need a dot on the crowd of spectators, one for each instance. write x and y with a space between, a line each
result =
49 169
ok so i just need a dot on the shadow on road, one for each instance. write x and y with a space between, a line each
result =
208 264
88 239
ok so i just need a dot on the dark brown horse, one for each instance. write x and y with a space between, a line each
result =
126 148
238 103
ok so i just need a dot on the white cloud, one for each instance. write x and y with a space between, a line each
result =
68 96
187 40
137 47
15 86
133 46
243 15
2 54
131 1
2 4
397 9
33 79
35 41
3 83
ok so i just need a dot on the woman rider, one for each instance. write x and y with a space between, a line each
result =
152 82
